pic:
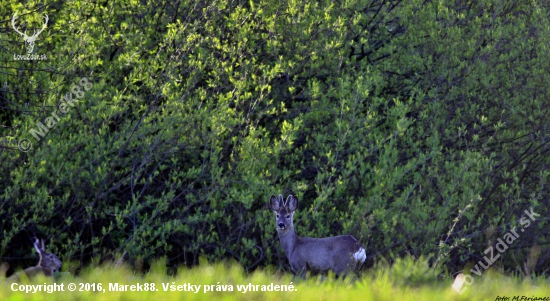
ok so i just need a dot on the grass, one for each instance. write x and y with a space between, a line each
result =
405 280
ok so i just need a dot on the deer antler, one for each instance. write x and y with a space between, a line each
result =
15 28
33 37
26 38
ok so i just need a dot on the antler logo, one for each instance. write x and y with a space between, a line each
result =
29 40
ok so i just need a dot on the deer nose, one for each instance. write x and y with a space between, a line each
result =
281 226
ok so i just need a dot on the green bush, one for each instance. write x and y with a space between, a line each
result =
415 126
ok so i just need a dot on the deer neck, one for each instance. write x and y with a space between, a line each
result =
288 240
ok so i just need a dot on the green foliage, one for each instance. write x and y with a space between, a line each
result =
416 126
407 271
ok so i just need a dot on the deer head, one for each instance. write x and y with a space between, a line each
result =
284 211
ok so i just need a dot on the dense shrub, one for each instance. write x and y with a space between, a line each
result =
420 127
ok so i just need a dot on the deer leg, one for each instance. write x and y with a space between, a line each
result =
299 268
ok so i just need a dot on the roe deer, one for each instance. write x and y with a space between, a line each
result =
48 263
339 253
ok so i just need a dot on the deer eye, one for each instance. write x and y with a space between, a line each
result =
277 216
288 216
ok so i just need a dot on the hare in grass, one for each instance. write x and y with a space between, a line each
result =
47 265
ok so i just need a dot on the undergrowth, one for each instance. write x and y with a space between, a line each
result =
406 279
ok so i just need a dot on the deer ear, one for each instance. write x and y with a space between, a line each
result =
274 203
292 203
37 245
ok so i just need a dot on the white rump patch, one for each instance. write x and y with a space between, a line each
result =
360 255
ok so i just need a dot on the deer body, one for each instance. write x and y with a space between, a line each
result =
338 253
